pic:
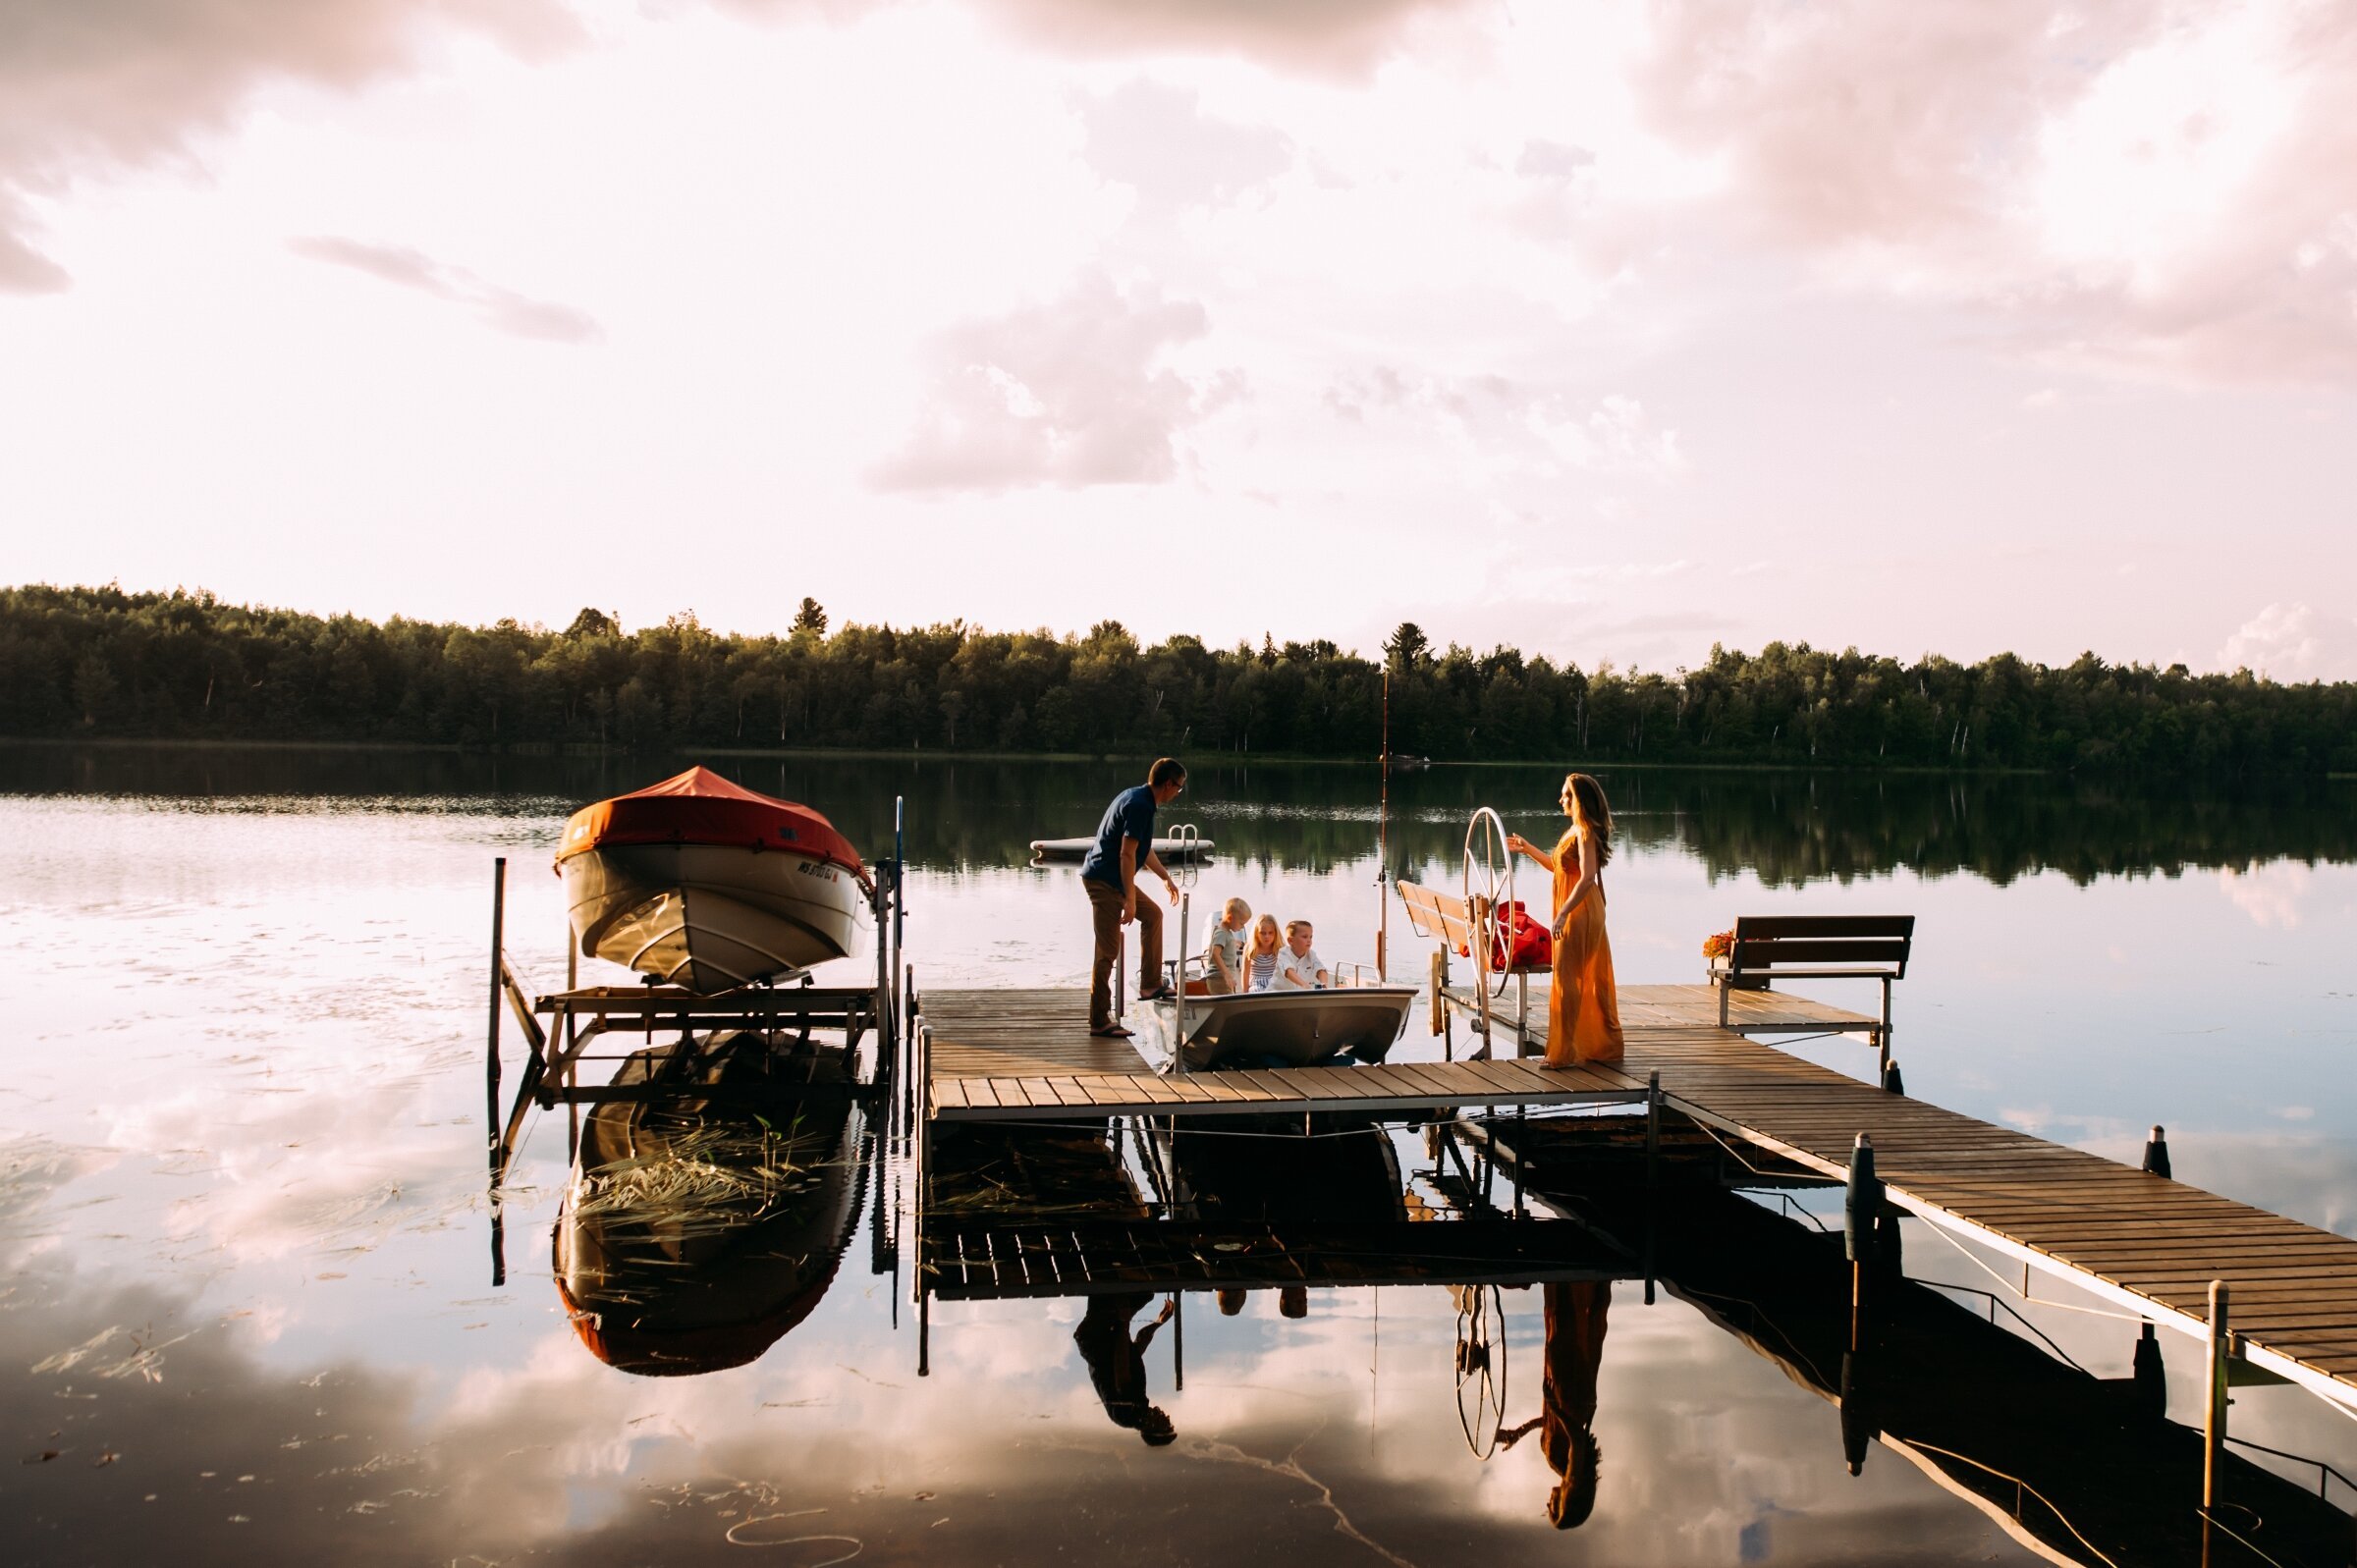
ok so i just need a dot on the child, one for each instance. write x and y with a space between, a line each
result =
1224 954
1263 961
1303 969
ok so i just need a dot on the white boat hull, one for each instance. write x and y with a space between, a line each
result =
1078 848
709 917
1294 1027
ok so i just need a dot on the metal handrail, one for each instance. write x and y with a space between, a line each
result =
1995 1301
2324 1470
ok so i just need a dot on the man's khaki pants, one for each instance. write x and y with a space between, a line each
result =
1105 910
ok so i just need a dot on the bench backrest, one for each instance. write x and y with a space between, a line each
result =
1822 945
1444 917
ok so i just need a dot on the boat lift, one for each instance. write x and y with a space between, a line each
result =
558 1028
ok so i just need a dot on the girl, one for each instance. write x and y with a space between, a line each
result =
1583 1010
1264 959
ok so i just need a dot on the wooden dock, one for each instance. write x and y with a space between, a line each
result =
2145 1243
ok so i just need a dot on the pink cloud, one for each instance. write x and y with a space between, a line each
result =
1073 391
502 308
99 84
2164 189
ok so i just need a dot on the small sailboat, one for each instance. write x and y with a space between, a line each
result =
704 883
1187 848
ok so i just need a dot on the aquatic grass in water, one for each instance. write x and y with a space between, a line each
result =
707 1180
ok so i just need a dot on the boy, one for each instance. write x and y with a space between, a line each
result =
1224 954
1301 967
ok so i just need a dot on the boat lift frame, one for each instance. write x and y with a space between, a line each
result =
578 1015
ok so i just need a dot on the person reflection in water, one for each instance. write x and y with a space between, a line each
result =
1566 1419
1117 1361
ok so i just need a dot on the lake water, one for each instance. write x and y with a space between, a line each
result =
248 1311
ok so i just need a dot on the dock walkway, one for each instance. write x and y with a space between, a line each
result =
2149 1244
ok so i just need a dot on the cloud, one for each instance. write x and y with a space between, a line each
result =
100 85
2293 642
2271 894
1324 37
2164 189
1515 425
1071 393
500 309
1158 139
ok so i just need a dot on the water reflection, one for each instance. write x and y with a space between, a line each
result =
244 1155
1787 829
701 1225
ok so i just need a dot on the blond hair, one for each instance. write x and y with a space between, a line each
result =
1267 923
1236 908
1292 925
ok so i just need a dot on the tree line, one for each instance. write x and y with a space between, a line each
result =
103 662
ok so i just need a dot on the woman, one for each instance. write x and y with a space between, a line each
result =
1264 959
1583 1011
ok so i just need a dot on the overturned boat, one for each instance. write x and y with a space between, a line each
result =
704 883
702 1225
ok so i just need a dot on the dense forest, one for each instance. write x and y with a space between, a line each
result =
105 663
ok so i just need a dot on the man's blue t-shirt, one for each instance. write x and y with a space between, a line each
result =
1130 816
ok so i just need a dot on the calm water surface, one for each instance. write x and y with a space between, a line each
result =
248 1312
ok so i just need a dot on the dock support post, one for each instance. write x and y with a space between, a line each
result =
1481 978
1653 1131
491 1122
2214 1425
1882 1036
1179 1341
899 911
1892 1081
499 916
1445 1025
1521 1155
1862 1202
2156 1153
2150 1380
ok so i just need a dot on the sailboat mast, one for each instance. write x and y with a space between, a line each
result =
1383 844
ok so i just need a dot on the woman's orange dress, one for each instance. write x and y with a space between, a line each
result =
1583 1009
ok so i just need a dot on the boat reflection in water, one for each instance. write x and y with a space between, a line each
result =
710 1201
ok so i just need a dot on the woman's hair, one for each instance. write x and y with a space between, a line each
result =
1592 812
1268 924
1574 1498
1236 908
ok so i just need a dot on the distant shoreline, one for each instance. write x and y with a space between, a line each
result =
546 750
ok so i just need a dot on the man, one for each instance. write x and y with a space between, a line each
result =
1300 968
1125 846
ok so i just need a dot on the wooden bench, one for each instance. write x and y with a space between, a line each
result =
1772 947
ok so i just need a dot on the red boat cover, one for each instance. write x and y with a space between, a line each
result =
701 807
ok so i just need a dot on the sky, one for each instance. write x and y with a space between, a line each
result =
1609 330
